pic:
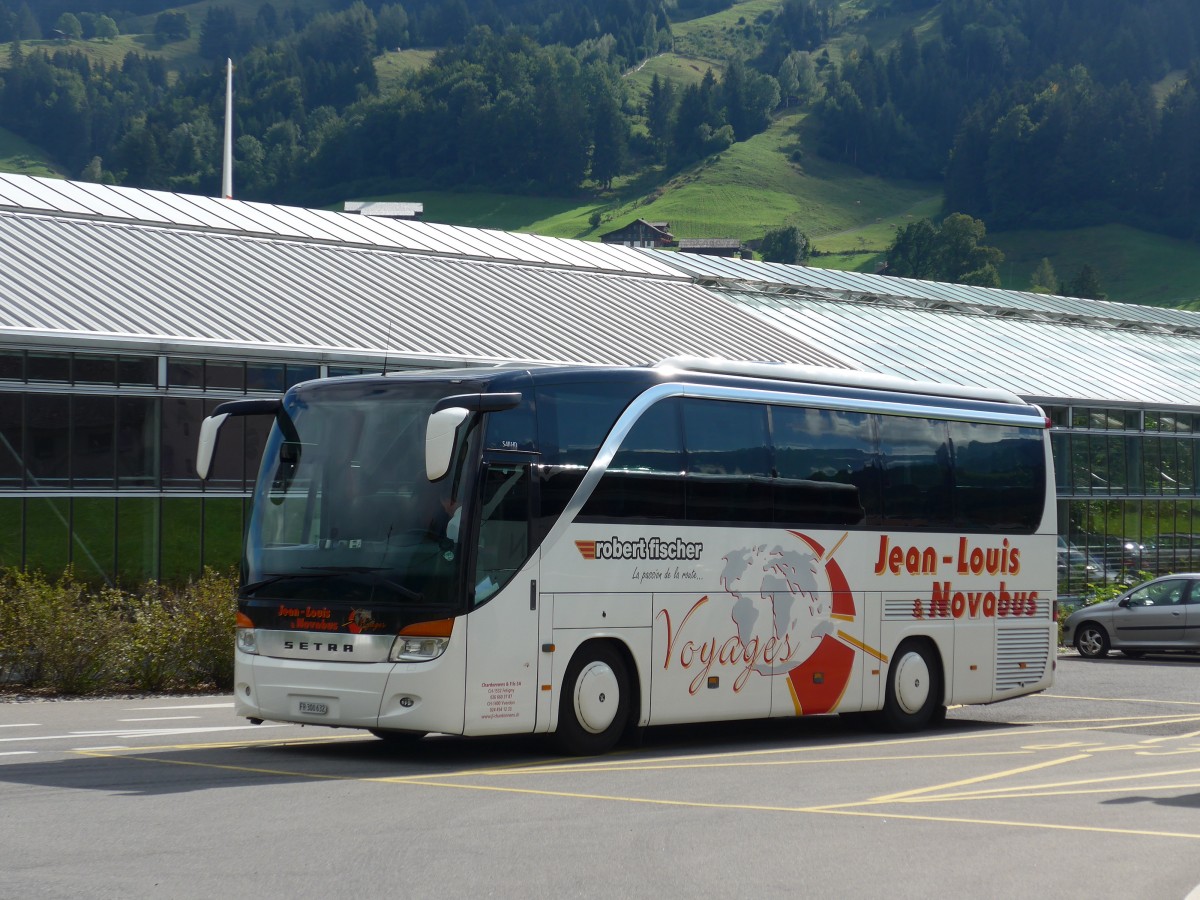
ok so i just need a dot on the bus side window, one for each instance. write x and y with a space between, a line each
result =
826 465
728 461
996 477
503 527
645 478
917 479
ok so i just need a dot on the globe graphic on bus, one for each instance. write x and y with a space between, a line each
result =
782 593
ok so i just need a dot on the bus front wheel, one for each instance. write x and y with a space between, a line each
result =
397 740
914 692
594 705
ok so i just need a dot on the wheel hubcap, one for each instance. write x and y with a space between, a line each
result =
912 682
597 697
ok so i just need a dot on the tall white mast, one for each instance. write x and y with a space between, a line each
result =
227 170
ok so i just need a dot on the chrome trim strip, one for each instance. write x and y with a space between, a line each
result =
324 647
653 395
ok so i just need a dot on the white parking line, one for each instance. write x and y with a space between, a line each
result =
22 725
18 753
142 732
159 719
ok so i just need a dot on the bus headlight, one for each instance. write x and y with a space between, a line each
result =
417 649
421 641
247 640
247 637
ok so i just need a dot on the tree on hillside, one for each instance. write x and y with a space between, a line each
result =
785 245
611 139
951 252
106 28
1044 280
172 26
25 25
660 106
964 259
1086 285
219 34
391 27
913 253
67 25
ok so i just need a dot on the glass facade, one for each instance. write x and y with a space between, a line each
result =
97 461
97 470
1128 483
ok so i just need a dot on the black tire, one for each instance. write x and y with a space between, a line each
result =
590 718
397 740
914 688
1091 640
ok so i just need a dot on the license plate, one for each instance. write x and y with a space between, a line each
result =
310 708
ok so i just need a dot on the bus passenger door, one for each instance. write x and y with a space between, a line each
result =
503 624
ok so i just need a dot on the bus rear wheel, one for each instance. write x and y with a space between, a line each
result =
914 689
594 705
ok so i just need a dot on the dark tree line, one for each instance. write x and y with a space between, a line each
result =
1034 111
495 110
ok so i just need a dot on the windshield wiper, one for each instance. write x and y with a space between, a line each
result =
407 593
272 579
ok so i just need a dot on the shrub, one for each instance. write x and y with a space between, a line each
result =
67 638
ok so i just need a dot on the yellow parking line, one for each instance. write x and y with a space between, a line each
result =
979 779
1022 794
441 781
1118 700
583 769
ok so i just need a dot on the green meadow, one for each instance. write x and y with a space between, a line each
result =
20 157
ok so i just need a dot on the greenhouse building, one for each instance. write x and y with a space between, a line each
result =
127 315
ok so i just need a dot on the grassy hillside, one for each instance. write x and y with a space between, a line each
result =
19 156
774 179
850 217
1134 266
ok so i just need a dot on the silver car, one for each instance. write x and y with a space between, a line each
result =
1163 614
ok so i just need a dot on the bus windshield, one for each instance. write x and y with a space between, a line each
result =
343 507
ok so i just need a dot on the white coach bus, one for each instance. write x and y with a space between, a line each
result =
586 551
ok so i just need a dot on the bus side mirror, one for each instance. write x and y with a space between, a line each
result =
444 422
440 434
208 443
212 425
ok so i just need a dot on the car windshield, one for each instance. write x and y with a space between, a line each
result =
343 509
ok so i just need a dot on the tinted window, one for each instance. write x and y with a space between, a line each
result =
728 461
230 376
11 432
917 480
12 365
139 370
93 459
185 372
516 428
49 366
137 438
503 527
573 421
95 369
264 377
826 463
297 373
645 478
48 441
998 476
180 428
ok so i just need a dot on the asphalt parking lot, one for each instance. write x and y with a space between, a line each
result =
1093 787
